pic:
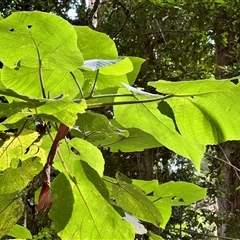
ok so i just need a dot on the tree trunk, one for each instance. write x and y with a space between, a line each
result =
229 204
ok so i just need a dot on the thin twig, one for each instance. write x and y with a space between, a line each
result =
125 20
222 160
160 29
229 162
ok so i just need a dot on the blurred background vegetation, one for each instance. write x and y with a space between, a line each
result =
180 40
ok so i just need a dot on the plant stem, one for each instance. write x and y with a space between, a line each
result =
78 85
40 70
112 95
97 105
94 85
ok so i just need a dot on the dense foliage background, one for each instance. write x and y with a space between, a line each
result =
180 40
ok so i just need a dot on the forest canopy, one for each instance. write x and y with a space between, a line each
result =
127 108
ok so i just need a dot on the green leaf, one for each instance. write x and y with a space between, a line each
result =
153 236
33 102
38 36
179 193
160 126
13 179
202 108
26 81
133 200
89 153
64 110
166 211
75 150
20 232
137 140
92 216
97 129
136 62
15 147
11 209
95 45
106 81
62 207
146 186
164 208
120 68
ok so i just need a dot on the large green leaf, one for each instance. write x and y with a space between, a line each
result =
148 118
106 81
64 110
147 186
38 47
14 179
166 211
137 140
153 236
179 193
26 81
164 208
76 149
59 110
20 232
95 45
97 129
62 206
33 37
11 209
120 68
202 109
92 216
136 62
133 200
88 153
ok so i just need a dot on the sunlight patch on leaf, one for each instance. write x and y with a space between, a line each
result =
95 45
25 33
14 179
92 216
205 111
26 81
161 127
179 193
133 200
11 210
16 148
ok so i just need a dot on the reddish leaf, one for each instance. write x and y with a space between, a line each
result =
45 199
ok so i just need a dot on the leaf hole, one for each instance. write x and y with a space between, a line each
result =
74 150
174 197
11 30
234 81
29 26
